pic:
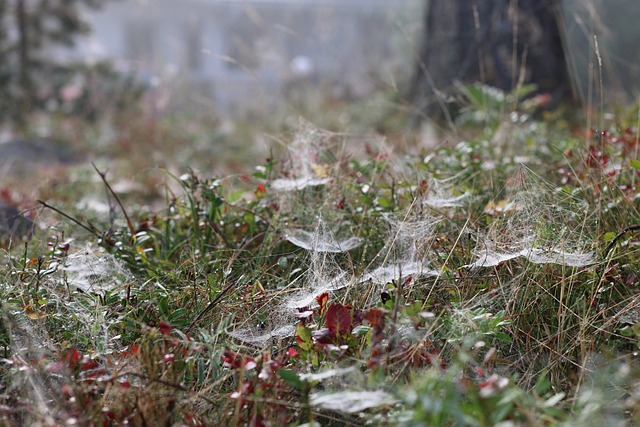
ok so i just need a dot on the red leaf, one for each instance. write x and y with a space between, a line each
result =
358 317
231 358
322 300
235 360
165 328
96 373
109 414
71 357
261 191
375 317
338 319
291 352
88 363
74 356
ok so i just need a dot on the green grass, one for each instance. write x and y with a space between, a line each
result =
151 314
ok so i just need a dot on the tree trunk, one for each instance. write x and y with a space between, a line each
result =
23 57
501 43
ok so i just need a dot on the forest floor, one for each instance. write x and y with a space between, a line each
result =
314 276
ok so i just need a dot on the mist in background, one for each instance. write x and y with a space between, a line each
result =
237 55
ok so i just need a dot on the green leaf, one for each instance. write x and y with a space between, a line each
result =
303 337
249 218
234 196
361 330
365 199
291 378
260 173
502 337
177 314
608 237
283 262
163 304
635 163
212 281
626 331
543 384
384 202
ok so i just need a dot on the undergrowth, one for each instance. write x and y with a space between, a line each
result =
480 284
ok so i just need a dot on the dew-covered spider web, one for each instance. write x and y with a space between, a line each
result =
536 221
307 199
530 219
305 166
432 192
312 221
323 275
75 286
92 270
440 193
28 380
321 241
407 251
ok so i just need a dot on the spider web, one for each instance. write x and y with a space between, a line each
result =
328 243
305 166
407 251
92 271
88 271
27 345
538 222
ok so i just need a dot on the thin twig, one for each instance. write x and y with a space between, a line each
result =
103 176
211 305
90 229
219 233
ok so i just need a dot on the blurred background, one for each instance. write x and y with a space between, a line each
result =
237 56
233 57
249 55
194 83
217 84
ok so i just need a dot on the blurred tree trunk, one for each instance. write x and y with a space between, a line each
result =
23 59
501 43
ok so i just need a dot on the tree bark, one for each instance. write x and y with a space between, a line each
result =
501 43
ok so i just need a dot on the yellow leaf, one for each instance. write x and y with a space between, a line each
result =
34 314
503 206
320 171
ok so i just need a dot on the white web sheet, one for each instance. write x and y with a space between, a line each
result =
537 222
